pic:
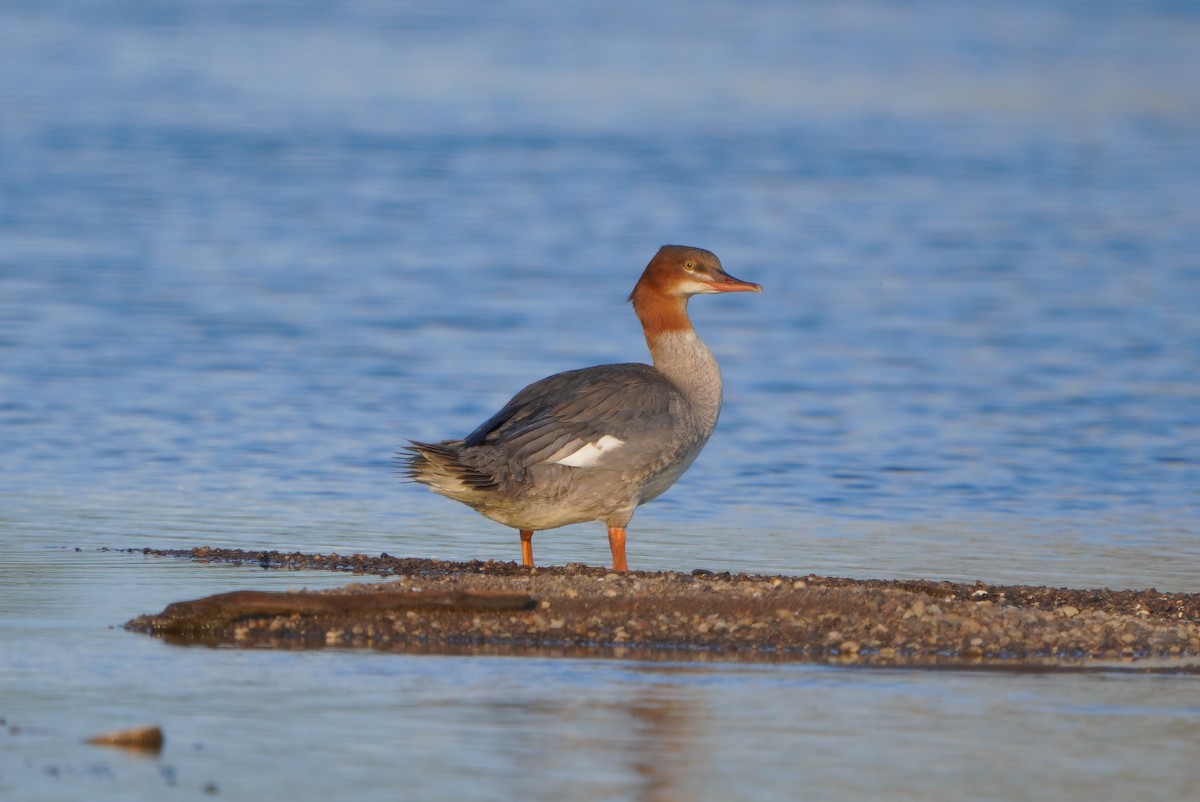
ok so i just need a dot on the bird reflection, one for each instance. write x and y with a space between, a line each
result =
629 743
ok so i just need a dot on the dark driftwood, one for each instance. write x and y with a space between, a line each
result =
198 620
244 603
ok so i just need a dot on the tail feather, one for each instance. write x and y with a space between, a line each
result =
441 467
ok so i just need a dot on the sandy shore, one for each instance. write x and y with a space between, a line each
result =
503 608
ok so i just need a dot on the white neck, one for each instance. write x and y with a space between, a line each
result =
683 358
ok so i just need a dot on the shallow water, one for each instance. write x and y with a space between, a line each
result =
247 249
341 724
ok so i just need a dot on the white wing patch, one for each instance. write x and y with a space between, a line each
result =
590 453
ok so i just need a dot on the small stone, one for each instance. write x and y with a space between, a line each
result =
144 739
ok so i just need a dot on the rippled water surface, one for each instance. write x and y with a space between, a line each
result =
247 248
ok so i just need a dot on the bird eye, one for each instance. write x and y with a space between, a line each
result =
689 267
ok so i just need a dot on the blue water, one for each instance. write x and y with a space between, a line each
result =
246 249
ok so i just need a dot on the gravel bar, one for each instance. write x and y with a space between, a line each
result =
575 610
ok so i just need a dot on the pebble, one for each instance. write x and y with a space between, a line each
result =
142 739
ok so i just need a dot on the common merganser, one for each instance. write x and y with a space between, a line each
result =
593 444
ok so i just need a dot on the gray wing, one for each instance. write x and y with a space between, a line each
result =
555 417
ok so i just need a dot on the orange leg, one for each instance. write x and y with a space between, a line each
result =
616 541
527 547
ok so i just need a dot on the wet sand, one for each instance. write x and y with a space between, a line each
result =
575 610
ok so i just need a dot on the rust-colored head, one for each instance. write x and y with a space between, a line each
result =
675 274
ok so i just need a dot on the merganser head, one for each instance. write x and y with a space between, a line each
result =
678 271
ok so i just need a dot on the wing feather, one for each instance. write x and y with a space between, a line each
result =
560 414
